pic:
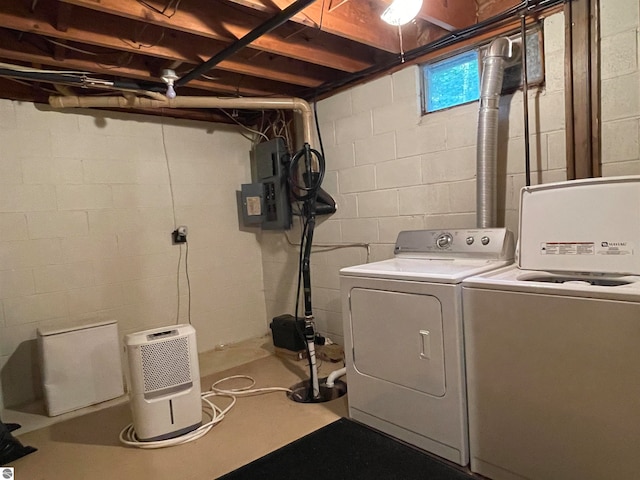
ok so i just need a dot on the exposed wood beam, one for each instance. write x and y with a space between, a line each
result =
357 20
223 22
59 50
428 32
264 28
137 69
489 8
64 16
18 90
338 3
582 95
115 33
449 14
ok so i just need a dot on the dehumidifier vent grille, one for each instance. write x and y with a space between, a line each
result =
166 364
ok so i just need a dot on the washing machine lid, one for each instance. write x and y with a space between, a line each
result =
590 285
444 256
590 225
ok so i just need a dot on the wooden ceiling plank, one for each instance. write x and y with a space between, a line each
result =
64 16
222 22
111 32
357 20
449 14
20 51
489 8
59 51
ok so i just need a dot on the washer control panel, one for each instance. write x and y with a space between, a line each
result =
480 242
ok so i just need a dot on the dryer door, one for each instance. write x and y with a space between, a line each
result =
397 337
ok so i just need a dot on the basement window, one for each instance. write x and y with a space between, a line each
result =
451 82
455 80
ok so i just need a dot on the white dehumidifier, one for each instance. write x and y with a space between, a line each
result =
164 382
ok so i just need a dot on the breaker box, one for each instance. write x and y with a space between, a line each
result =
265 202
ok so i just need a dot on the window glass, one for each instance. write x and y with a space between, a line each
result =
452 81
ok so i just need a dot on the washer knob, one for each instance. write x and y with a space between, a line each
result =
485 240
470 240
444 240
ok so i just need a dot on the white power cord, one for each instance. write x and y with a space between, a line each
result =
216 414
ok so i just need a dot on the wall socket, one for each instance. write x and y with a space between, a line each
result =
179 235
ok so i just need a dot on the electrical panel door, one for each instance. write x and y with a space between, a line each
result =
265 202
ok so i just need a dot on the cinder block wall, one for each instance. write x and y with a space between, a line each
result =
86 218
620 87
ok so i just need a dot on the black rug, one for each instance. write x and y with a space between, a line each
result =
347 450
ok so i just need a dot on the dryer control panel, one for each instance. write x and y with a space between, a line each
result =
494 243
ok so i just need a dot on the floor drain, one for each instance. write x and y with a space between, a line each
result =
301 392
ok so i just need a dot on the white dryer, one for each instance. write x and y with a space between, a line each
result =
552 344
403 335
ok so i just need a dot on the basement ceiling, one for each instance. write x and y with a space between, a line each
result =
327 44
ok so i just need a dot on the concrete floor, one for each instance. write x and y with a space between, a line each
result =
86 446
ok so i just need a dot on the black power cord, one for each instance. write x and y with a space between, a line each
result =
306 191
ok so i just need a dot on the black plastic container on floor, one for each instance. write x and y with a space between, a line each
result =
346 449
286 334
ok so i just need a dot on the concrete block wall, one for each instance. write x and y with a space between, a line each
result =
620 87
86 215
391 169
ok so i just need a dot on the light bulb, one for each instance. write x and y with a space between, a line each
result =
169 76
401 12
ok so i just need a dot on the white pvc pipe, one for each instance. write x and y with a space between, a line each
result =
331 379
315 385
251 103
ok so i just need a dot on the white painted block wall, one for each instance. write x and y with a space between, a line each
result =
620 87
86 216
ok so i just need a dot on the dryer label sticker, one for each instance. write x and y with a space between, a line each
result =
615 248
567 248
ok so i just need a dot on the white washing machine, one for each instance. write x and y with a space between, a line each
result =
552 344
403 335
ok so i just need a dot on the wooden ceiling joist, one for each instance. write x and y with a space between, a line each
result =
225 23
326 46
449 14
354 20
135 68
117 34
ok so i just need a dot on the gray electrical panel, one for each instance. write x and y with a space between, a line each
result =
265 202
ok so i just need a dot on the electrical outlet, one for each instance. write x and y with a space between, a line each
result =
179 235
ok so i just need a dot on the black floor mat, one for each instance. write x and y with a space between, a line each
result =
347 450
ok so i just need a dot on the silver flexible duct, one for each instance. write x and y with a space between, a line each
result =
500 50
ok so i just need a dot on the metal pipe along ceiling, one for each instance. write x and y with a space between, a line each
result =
499 51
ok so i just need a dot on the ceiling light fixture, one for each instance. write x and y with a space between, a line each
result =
169 77
401 12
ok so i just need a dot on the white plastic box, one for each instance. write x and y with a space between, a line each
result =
80 364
